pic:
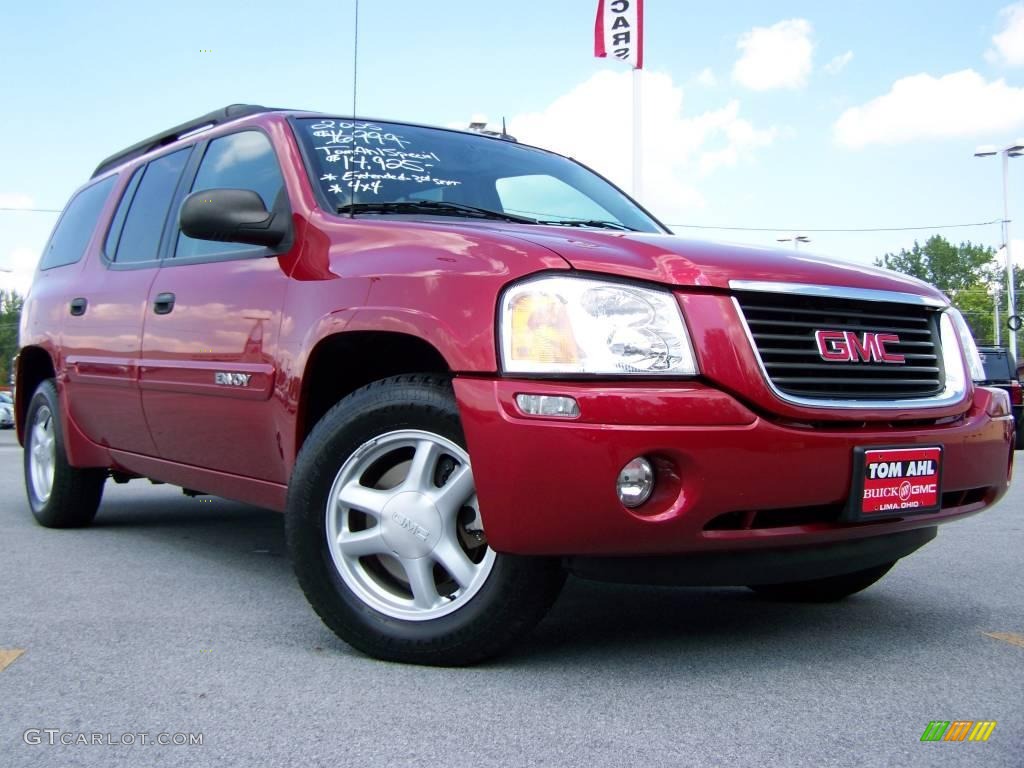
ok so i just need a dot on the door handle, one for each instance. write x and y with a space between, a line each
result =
163 303
78 306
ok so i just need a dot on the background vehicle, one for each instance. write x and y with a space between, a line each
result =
1001 371
463 367
6 411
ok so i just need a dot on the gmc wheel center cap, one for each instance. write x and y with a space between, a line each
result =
411 525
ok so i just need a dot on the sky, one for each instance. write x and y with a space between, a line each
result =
795 116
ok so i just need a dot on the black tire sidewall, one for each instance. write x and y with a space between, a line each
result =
430 407
76 492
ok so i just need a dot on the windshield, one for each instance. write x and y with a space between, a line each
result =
371 166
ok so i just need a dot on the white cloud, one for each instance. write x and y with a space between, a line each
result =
22 261
838 63
21 229
593 123
778 56
706 78
1018 261
1008 45
15 200
960 104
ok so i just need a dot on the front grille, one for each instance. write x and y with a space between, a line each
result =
783 327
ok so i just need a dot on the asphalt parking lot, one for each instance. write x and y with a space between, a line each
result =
181 616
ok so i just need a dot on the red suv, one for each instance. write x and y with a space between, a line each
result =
463 367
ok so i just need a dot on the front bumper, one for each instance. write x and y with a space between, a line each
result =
728 479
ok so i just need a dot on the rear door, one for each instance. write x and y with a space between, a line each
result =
211 332
102 336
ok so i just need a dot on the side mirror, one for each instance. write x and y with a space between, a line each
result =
232 216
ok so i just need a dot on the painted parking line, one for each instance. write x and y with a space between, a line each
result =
8 655
1007 637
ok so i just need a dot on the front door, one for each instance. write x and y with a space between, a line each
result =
212 323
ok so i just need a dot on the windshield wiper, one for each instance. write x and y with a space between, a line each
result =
433 207
597 223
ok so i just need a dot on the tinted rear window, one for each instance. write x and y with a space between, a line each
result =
117 223
74 229
140 238
997 364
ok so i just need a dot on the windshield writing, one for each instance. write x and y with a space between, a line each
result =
359 163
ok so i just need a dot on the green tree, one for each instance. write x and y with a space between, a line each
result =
977 307
949 267
10 318
968 273
999 281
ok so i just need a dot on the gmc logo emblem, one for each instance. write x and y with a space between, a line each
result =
847 347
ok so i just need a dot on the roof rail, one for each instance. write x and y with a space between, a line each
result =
218 116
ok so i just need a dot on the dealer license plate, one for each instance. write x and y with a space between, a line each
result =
893 482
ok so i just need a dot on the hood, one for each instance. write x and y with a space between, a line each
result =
681 262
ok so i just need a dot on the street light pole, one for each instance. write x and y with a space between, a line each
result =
1015 150
995 318
1011 304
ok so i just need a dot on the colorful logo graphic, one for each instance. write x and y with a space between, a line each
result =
847 347
958 730
901 479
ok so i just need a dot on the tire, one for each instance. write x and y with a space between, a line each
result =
392 456
827 590
61 496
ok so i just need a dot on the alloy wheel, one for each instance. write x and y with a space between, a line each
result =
403 526
42 454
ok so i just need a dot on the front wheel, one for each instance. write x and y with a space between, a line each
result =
827 590
386 537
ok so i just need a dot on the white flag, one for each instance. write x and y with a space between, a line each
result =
619 31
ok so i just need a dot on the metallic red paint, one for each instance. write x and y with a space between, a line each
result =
547 486
136 388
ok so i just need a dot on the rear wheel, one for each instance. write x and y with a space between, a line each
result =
61 496
386 537
825 590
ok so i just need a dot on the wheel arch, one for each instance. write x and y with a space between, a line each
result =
343 362
34 366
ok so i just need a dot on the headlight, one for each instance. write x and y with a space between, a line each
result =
555 324
970 348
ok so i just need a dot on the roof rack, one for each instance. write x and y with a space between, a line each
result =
218 116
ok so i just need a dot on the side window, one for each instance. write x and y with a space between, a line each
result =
117 223
71 235
139 238
547 197
243 160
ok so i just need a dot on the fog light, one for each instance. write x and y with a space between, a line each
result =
548 405
635 483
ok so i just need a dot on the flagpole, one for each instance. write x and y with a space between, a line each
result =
637 142
619 30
